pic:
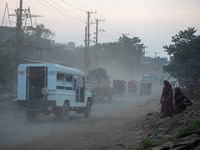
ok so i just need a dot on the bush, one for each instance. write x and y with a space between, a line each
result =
145 144
193 126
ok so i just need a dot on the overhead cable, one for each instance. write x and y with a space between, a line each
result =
66 10
73 6
60 12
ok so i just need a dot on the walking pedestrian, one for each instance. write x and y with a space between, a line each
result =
167 104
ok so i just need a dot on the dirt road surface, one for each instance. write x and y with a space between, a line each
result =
110 124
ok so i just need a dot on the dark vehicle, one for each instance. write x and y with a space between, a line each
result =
99 84
149 77
119 87
145 88
132 87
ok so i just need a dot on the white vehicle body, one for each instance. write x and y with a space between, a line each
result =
41 86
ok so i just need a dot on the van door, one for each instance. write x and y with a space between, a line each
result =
76 88
36 80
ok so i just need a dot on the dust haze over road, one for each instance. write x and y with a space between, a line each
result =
101 129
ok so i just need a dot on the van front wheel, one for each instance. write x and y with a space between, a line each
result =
87 111
65 112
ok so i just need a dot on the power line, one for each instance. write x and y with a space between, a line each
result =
110 35
73 6
60 12
66 10
119 32
84 5
113 26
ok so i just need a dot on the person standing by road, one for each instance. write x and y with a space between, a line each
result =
167 104
181 101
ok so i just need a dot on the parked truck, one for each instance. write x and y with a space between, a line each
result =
98 82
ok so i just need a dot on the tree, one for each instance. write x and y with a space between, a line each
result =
132 50
185 53
39 32
121 58
6 65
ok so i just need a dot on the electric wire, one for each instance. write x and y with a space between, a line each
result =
84 5
66 10
60 12
114 29
73 6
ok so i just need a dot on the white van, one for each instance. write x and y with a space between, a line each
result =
52 88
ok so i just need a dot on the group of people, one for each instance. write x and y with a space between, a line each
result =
172 103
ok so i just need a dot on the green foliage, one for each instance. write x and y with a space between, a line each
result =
189 128
185 62
39 32
145 144
127 52
171 138
132 50
6 63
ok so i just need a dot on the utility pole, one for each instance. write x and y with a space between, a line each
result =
156 54
6 8
28 15
87 42
145 53
88 27
18 32
97 30
96 40
85 54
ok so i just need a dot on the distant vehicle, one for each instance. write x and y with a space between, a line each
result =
119 87
99 84
148 77
145 87
51 88
132 87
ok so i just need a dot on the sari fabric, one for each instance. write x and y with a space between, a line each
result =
167 101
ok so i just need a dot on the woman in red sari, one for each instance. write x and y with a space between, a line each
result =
167 102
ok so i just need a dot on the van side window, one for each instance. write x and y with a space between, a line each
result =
69 78
69 83
81 79
78 82
60 76
75 82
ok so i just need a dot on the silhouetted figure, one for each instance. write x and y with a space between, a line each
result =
181 101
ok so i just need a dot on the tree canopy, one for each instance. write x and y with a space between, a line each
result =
127 51
39 32
185 51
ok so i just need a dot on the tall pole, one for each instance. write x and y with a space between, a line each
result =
145 53
97 30
19 18
88 37
85 54
6 8
156 54
97 23
88 29
18 32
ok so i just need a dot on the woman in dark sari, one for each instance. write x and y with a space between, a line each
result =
167 104
181 101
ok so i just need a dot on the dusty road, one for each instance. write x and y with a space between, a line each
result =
111 123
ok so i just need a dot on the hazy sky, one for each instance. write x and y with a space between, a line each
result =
153 21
